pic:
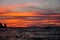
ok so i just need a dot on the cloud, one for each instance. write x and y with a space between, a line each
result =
27 23
41 4
32 18
29 12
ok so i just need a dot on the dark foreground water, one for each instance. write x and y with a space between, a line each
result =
30 33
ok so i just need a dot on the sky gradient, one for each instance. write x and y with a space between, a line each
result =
24 13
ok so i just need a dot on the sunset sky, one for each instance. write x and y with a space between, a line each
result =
24 13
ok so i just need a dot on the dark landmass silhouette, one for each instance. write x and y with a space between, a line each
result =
1 25
30 33
50 32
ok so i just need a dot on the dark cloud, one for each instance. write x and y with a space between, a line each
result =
32 17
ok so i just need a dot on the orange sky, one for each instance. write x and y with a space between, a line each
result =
14 22
25 23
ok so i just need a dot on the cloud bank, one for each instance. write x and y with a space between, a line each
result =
28 5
